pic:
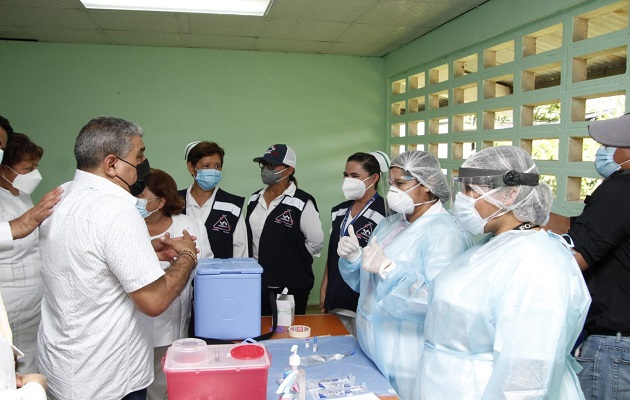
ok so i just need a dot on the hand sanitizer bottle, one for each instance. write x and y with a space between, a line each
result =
299 387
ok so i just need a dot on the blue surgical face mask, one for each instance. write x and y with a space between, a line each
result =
605 163
467 216
141 206
207 179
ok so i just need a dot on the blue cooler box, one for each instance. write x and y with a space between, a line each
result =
227 298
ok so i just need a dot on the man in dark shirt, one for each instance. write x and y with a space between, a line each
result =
601 235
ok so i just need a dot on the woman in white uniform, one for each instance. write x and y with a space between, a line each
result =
161 207
393 272
504 316
14 386
21 283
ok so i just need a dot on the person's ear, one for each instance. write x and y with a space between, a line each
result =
375 179
161 203
191 168
109 165
422 193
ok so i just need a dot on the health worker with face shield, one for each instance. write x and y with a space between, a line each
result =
392 274
20 263
504 316
363 209
284 229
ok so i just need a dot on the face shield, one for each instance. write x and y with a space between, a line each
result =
482 181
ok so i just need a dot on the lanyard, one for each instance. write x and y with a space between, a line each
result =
525 226
343 229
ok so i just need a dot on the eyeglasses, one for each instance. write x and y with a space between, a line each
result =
400 181
263 164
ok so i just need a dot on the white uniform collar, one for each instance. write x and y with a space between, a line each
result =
101 184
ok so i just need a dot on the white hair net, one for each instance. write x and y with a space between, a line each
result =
425 168
532 203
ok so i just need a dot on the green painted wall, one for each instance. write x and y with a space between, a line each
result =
325 107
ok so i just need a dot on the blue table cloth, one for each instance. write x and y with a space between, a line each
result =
358 364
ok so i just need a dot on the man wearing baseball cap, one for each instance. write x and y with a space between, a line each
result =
284 229
601 236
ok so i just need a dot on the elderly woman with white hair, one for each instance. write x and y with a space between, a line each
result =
504 316
393 272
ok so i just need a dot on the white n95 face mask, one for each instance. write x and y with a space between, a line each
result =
353 188
27 183
400 201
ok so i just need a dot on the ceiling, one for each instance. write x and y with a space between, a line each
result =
345 27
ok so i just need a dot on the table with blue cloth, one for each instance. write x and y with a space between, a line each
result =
357 364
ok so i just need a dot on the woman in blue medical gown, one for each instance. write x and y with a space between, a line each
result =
504 316
393 272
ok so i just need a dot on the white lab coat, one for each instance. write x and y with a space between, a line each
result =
391 311
502 320
173 323
21 282
8 390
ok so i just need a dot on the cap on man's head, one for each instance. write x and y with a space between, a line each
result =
612 132
278 154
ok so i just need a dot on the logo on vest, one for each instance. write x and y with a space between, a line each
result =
365 232
222 225
285 218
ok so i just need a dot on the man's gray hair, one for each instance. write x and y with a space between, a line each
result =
101 137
